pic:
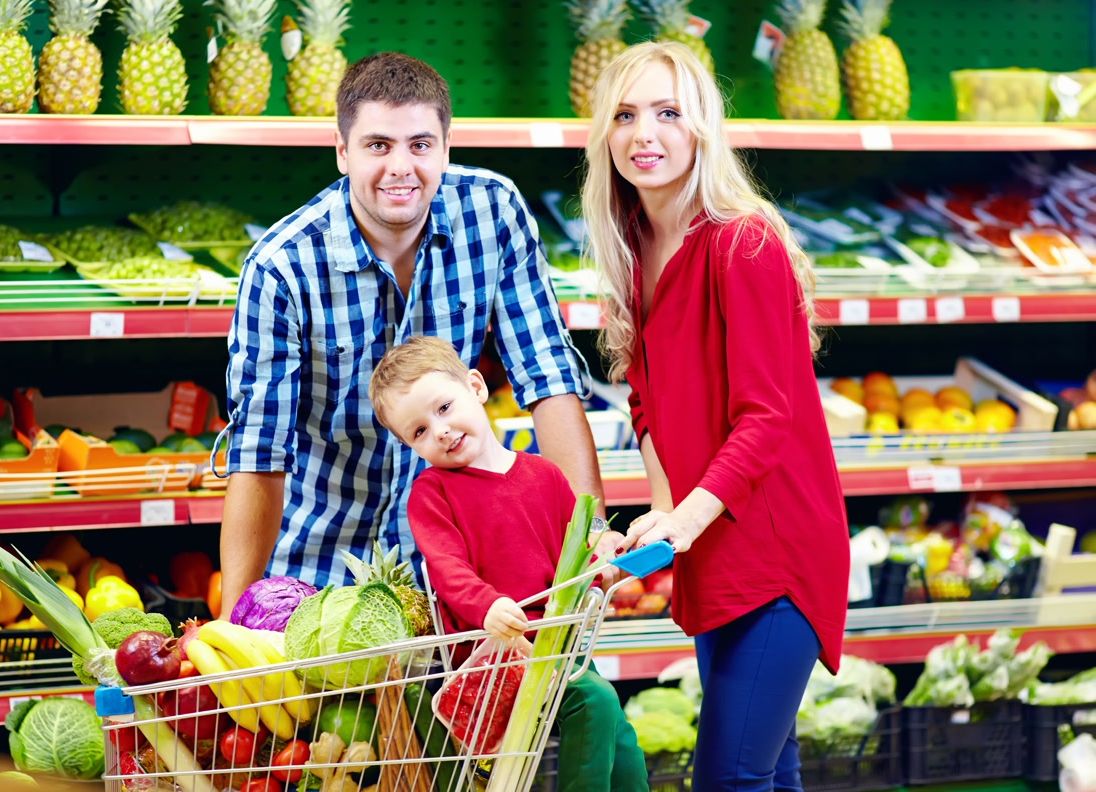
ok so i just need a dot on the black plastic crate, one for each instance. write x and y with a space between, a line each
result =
670 772
1041 732
20 646
868 762
888 585
945 744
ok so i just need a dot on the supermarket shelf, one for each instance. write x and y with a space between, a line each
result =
546 133
93 513
161 322
957 309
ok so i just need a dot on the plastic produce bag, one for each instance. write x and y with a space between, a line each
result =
476 701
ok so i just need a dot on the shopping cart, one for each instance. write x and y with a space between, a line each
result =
408 721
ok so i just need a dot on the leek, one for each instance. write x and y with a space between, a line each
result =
72 629
525 720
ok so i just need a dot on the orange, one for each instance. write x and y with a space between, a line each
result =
993 415
924 419
917 397
957 420
878 402
849 388
953 396
878 382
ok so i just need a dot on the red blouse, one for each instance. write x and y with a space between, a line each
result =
723 381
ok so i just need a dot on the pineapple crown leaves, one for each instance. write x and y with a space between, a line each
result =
666 14
863 19
798 16
597 20
243 20
75 17
149 20
385 567
323 21
14 14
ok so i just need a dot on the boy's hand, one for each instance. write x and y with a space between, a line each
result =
505 620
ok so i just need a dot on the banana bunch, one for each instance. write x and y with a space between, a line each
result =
222 647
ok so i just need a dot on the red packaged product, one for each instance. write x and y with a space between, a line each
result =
481 695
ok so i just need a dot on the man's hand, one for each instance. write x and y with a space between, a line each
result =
606 550
656 525
505 620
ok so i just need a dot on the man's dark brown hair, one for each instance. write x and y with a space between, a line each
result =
394 79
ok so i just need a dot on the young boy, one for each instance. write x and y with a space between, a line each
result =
490 524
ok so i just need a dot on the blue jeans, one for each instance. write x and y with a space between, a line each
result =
754 671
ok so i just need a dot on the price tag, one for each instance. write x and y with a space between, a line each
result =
769 42
935 478
32 251
291 42
913 310
854 312
211 47
876 138
107 325
546 135
254 232
697 26
174 252
1006 309
960 716
608 666
584 316
158 512
950 309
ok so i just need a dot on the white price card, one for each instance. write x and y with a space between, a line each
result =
854 312
912 310
876 138
158 512
935 478
544 134
960 716
173 252
950 309
608 666
769 42
32 251
1006 309
107 325
584 316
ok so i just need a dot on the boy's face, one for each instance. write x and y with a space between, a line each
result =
395 158
443 419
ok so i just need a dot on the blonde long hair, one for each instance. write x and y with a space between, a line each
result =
718 183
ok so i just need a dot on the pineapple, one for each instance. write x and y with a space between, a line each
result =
671 18
598 24
398 577
16 58
808 83
876 81
239 77
70 68
152 74
313 76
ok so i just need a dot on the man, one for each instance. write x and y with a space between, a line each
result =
403 244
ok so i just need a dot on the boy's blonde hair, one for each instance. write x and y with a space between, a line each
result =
718 183
404 365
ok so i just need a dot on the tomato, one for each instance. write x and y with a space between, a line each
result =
125 740
262 785
296 752
238 746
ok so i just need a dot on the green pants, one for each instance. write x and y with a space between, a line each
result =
598 751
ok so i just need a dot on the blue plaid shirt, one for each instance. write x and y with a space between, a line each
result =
316 311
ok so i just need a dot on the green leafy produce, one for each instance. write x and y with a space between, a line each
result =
935 251
117 625
58 736
835 727
193 221
837 260
9 243
661 699
99 243
872 682
147 267
345 619
663 731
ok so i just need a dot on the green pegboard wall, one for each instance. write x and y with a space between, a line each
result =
512 58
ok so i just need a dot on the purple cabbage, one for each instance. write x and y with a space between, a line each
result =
267 604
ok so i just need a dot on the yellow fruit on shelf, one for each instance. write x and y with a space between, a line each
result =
917 397
878 382
957 420
994 415
849 388
1083 416
10 605
924 420
953 396
882 423
879 402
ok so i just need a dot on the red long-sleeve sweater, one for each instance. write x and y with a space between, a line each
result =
723 381
487 535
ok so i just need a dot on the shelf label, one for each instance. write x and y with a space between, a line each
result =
107 325
158 512
768 43
546 135
854 312
1006 309
583 316
32 251
608 666
960 716
935 478
950 309
173 252
876 138
913 310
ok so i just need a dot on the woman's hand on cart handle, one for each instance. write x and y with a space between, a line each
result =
606 549
658 525
505 620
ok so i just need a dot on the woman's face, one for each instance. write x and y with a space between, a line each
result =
650 144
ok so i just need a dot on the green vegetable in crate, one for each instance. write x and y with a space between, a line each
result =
58 736
99 243
935 251
661 699
835 727
663 731
147 268
194 221
837 260
117 625
9 243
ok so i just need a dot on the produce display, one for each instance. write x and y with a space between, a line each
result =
17 81
152 73
808 81
105 243
877 84
240 75
598 25
1000 94
313 75
194 221
70 67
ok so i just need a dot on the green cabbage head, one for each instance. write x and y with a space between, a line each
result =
345 619
57 736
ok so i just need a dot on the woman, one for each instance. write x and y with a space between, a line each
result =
709 320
